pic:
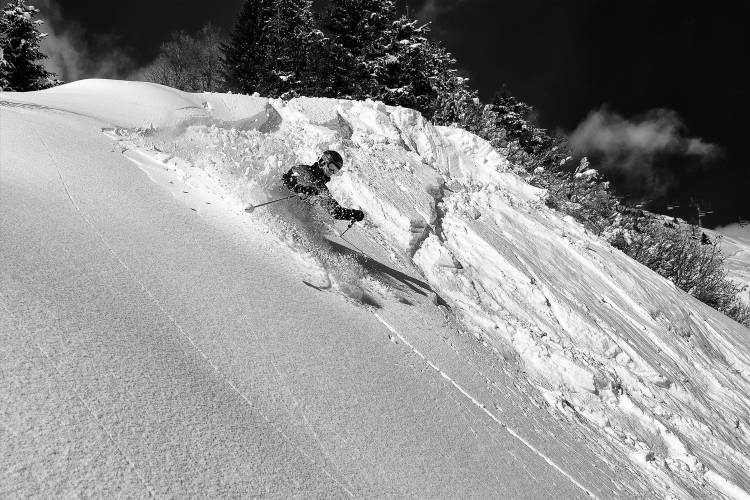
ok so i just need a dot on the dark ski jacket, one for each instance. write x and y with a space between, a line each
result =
311 180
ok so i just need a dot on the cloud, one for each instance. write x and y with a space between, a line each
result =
659 131
637 149
73 54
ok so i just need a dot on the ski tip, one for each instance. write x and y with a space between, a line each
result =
318 288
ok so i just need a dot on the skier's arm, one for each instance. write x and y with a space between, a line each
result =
342 213
291 181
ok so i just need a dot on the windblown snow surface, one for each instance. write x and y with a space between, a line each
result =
636 364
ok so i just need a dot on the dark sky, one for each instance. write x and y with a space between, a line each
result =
567 59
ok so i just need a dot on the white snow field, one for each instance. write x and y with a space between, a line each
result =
465 341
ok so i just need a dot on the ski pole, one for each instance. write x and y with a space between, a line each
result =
347 228
250 208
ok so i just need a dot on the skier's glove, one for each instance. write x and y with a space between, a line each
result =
357 216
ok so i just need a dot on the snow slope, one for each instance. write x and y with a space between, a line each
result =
736 247
600 372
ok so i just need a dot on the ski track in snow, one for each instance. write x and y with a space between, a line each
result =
608 343
228 381
483 407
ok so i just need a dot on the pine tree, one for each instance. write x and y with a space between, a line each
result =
275 49
454 96
375 54
402 70
245 54
292 42
359 32
513 116
19 45
455 102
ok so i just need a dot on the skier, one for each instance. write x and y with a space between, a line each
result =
309 181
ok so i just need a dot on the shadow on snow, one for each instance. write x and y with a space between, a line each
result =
376 267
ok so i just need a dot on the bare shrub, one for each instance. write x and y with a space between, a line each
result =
189 63
690 260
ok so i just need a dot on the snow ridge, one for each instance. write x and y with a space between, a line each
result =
46 355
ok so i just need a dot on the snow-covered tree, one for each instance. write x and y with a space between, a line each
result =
409 69
245 54
367 51
19 45
402 69
292 49
455 103
476 117
274 49
358 33
513 115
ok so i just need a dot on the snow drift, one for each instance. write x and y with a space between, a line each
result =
611 345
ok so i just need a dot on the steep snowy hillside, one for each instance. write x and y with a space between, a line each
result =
635 367
736 248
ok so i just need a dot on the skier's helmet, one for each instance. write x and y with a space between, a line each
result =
331 157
